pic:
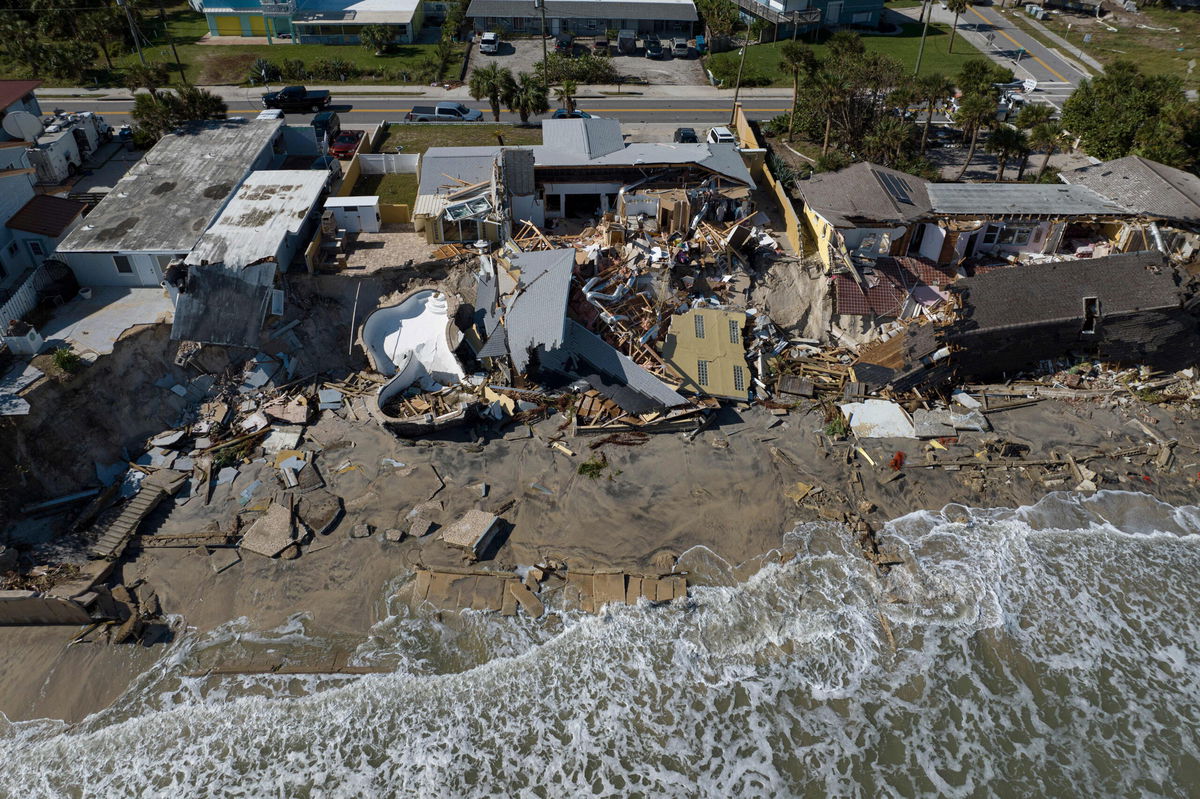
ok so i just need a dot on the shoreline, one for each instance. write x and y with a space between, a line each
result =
727 491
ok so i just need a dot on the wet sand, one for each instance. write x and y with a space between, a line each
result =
725 490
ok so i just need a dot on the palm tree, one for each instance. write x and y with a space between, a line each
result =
565 94
887 139
492 82
1029 117
958 7
527 96
375 37
975 113
796 58
830 90
1004 143
1046 136
930 90
151 77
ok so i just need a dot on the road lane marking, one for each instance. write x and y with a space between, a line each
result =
1003 33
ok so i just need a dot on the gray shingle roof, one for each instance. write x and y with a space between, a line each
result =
536 315
1050 292
1019 199
223 306
682 10
866 193
1144 187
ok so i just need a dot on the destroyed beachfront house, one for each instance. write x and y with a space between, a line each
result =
1165 200
583 169
1132 309
225 288
530 329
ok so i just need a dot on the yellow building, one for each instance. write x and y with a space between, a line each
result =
704 347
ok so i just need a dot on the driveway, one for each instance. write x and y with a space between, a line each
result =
520 55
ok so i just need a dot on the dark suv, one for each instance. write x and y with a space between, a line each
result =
686 136
653 46
565 45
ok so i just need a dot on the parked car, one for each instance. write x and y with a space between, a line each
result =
565 45
681 49
686 136
943 136
443 112
721 135
345 144
627 41
297 98
601 47
327 123
652 46
562 113
489 43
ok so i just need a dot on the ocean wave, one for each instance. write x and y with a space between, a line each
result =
1037 651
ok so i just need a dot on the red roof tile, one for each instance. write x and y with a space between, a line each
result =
46 215
13 90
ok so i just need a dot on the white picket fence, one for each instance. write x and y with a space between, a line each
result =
25 298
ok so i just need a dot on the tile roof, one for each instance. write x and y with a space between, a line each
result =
865 192
1019 199
13 90
1143 186
889 283
1047 292
46 215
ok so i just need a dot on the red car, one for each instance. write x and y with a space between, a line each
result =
345 143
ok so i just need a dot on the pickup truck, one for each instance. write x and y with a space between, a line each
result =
443 112
297 98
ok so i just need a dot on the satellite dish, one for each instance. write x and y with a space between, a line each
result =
22 125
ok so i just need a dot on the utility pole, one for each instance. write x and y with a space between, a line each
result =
133 31
162 15
737 87
541 4
795 24
924 32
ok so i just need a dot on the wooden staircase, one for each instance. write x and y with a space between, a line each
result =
115 536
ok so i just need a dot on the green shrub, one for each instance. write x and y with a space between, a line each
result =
263 71
293 69
593 468
587 68
67 360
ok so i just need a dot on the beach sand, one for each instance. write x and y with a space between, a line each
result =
725 491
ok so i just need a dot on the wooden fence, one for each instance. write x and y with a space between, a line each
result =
25 298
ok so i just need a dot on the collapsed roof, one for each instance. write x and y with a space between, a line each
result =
866 192
223 305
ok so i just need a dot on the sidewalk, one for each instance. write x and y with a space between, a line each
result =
1063 43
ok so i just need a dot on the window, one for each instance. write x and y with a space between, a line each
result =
35 248
1014 236
739 379
1091 314
121 262
702 372
989 235
699 325
735 332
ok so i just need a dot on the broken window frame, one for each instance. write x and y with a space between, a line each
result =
1091 316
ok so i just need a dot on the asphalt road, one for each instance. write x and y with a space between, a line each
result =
367 110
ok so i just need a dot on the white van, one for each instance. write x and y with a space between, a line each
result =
489 43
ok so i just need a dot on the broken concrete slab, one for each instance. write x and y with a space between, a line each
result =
421 527
529 603
878 419
361 531
609 589
393 534
271 533
473 532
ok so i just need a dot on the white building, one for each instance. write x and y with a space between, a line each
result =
159 210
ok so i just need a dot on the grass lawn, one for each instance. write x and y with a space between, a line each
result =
400 189
418 137
763 59
1157 52
207 64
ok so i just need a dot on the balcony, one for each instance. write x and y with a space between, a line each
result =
285 9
